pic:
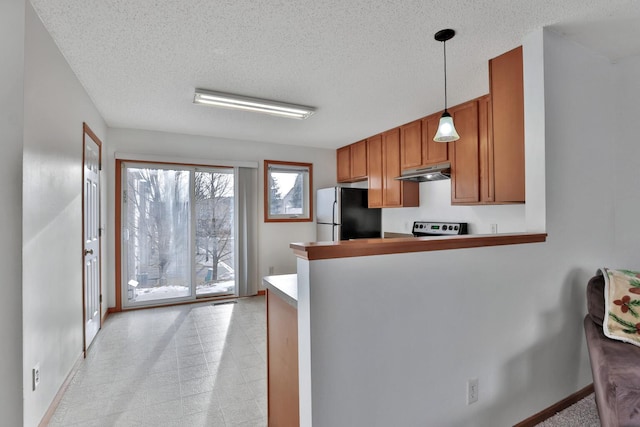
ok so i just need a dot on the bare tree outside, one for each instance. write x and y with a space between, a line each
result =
214 229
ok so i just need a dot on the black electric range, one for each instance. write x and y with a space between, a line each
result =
427 228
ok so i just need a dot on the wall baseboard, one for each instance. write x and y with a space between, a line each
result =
46 419
110 310
556 407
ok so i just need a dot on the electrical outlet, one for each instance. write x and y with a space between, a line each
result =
35 373
271 270
472 390
494 228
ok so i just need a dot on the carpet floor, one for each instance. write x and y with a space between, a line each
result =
581 414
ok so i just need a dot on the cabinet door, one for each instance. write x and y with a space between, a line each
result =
359 160
392 188
507 101
411 145
374 164
464 155
343 156
432 152
486 150
396 193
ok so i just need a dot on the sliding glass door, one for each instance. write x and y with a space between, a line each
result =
178 236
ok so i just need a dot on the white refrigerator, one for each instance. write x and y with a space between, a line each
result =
343 213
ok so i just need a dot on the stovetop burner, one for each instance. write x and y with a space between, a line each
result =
425 228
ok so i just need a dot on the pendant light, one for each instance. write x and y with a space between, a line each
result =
446 130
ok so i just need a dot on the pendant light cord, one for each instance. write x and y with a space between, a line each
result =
445 74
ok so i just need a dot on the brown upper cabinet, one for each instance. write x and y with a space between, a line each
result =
507 107
417 147
352 162
487 162
499 176
411 145
343 167
375 166
465 154
384 166
485 146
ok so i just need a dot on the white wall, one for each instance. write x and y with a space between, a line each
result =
627 166
534 132
435 205
11 128
273 238
395 338
55 106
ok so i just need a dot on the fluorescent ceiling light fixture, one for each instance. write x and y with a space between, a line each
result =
257 105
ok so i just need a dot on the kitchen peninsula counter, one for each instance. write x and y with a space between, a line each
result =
366 247
367 326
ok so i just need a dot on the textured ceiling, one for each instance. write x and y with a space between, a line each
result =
366 65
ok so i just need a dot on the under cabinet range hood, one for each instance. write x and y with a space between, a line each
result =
429 173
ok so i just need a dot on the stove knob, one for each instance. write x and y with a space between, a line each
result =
444 228
455 227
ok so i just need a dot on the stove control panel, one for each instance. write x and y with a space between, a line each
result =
424 228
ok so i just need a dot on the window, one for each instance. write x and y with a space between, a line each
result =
287 191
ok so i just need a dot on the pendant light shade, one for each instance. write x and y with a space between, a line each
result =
446 129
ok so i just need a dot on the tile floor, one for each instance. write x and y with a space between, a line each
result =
191 365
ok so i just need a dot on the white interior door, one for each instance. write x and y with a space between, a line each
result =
91 236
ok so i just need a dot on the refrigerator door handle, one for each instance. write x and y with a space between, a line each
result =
335 205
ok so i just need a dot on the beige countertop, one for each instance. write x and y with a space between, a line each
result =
283 285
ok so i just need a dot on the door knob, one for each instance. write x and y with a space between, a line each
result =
88 252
